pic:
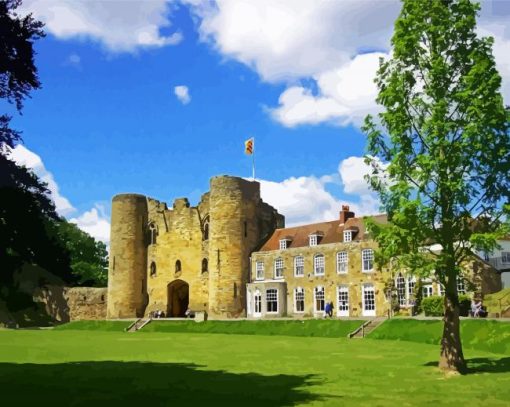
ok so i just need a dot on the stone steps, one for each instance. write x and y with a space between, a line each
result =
366 328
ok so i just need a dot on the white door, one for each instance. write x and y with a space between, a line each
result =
343 301
368 295
258 304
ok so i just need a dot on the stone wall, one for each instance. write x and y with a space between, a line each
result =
179 240
354 279
127 278
66 304
204 248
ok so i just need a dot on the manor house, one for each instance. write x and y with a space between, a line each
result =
231 256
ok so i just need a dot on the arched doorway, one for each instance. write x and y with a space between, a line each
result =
178 299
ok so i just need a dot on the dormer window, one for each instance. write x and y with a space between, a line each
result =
312 240
285 242
347 236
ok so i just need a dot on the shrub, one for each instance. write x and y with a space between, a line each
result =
433 306
464 305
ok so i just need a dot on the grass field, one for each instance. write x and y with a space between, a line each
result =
479 334
326 328
108 368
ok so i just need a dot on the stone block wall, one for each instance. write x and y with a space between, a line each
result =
354 279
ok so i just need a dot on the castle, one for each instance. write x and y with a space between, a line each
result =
230 256
196 257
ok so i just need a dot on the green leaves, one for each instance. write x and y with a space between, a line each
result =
444 133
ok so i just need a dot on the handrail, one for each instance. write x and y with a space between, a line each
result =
133 324
500 305
361 328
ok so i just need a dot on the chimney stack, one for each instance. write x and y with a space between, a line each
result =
345 213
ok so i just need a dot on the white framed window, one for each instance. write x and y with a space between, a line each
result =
427 290
343 300
405 289
367 256
299 299
342 260
440 288
299 266
283 244
318 265
272 300
347 236
411 282
368 300
259 268
401 290
312 240
319 299
278 268
461 286
505 257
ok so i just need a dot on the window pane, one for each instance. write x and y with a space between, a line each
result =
299 266
272 300
319 264
368 259
341 262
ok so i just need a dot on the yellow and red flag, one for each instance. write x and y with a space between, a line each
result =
249 146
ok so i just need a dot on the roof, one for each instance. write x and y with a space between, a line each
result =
332 233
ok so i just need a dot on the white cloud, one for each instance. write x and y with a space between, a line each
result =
352 172
333 43
121 25
95 222
24 157
345 95
182 93
74 59
305 200
284 39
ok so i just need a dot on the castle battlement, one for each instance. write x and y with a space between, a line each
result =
186 256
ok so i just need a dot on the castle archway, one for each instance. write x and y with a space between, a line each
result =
178 298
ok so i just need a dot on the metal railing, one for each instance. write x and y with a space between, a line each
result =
499 263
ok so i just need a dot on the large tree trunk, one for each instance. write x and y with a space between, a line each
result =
452 358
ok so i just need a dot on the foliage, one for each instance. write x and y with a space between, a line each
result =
433 306
18 75
89 257
441 154
418 296
480 334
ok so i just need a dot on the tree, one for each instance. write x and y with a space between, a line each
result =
89 257
442 142
27 213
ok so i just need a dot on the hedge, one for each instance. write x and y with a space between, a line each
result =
433 306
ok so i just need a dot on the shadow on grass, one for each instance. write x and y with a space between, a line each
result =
147 384
483 365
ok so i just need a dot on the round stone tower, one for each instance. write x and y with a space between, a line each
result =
127 273
233 236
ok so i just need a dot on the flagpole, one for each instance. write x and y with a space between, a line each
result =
253 161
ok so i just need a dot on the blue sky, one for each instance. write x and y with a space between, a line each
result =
296 75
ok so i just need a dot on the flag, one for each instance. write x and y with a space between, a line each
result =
248 146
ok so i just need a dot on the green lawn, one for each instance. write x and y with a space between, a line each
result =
107 368
326 328
479 334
